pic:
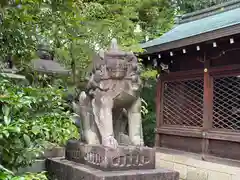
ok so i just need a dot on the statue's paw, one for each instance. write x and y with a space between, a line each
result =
110 142
142 142
124 139
138 141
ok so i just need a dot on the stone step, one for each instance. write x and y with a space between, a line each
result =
62 169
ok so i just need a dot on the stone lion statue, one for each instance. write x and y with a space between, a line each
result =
110 107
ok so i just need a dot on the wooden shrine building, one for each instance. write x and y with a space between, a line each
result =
198 93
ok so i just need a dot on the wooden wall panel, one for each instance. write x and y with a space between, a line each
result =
224 149
188 144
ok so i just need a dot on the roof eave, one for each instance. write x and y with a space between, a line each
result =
208 36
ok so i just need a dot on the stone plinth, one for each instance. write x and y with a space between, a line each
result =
62 169
96 162
106 159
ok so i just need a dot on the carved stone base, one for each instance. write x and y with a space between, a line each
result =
106 159
61 169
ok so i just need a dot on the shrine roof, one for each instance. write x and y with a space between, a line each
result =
208 24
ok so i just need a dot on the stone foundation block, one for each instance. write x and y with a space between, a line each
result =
106 159
62 169
182 169
197 174
219 176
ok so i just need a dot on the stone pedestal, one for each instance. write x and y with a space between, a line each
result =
62 169
122 158
89 162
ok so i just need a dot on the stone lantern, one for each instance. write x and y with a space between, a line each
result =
46 64
9 70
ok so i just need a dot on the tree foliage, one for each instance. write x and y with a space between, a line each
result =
30 120
29 176
188 6
149 118
76 29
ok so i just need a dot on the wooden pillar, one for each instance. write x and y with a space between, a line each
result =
207 106
159 116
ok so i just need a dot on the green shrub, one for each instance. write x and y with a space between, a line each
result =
30 120
149 118
29 176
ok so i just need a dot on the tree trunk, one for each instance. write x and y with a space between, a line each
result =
73 64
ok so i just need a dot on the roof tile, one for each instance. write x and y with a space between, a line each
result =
197 27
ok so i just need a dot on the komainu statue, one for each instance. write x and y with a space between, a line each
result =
111 144
110 107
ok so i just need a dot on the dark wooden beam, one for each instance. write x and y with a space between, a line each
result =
223 136
207 105
180 131
225 70
172 76
159 109
198 133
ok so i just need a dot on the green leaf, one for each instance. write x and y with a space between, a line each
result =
46 134
4 169
18 178
36 130
6 112
7 120
27 139
14 129
4 176
6 133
